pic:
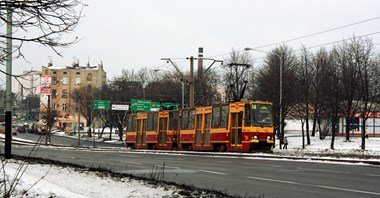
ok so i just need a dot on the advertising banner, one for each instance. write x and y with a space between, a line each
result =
45 84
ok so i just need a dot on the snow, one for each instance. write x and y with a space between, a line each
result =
55 181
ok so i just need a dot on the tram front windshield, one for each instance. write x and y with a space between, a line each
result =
262 115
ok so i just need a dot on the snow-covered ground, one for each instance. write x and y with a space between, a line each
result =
56 181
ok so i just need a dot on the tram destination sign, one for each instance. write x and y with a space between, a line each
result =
101 104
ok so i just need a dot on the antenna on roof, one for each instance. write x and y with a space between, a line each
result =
88 61
50 62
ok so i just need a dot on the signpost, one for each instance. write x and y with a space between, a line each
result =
120 107
101 104
140 105
155 106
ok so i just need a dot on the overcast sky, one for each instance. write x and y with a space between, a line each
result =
126 34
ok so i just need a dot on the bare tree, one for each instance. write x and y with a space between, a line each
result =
84 99
237 67
348 76
44 22
362 50
268 81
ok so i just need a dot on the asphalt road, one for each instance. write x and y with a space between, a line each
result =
67 140
237 176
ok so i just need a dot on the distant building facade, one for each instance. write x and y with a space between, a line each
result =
60 82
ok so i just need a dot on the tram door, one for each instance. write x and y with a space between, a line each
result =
202 130
236 129
163 131
141 132
198 130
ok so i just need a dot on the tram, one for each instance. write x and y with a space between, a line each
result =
238 126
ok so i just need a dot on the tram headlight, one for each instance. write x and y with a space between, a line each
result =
269 137
255 137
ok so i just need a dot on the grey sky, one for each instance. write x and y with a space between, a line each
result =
126 34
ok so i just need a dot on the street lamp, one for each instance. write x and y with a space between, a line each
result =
281 71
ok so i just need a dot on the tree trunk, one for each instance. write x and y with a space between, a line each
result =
364 131
333 131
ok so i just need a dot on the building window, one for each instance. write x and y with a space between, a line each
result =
89 88
54 72
54 93
89 77
64 93
54 80
65 107
64 72
65 81
78 72
77 81
53 106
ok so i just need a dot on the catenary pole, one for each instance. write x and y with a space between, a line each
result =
8 92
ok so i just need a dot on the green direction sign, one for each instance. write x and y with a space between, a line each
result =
140 105
101 104
155 106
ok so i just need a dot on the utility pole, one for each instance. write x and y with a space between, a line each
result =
191 82
8 92
47 139
78 124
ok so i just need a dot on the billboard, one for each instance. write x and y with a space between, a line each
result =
45 84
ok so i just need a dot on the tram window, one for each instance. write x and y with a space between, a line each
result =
224 116
131 123
155 119
215 117
184 119
173 120
191 118
247 115
152 121
262 114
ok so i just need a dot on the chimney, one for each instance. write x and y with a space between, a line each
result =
200 62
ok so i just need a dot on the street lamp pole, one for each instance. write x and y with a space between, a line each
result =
281 132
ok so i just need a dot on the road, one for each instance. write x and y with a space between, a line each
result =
235 175
67 140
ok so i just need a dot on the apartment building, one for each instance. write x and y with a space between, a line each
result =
60 82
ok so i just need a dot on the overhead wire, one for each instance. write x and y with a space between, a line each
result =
306 36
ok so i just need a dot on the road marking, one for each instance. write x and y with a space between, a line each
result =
311 185
253 164
274 180
372 175
135 163
213 172
321 170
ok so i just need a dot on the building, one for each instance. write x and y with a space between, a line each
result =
58 84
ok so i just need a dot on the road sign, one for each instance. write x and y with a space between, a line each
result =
155 106
140 105
120 107
101 104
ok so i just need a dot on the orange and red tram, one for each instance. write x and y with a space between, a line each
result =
238 126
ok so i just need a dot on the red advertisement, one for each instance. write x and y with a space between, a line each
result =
46 84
